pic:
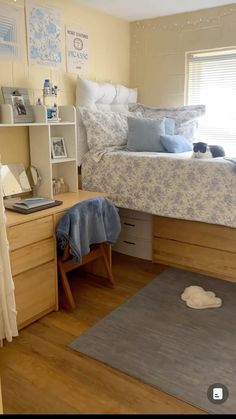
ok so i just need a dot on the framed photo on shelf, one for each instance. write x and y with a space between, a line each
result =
18 98
58 148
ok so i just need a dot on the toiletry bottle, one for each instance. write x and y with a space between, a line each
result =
47 97
64 186
58 186
54 186
55 112
46 87
56 101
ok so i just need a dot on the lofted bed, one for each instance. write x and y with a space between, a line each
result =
192 202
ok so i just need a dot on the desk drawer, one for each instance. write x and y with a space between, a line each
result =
35 292
194 232
170 252
31 256
30 232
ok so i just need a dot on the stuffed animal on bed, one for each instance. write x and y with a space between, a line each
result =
204 151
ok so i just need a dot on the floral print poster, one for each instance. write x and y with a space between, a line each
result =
44 35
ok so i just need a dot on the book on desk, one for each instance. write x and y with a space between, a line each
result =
29 205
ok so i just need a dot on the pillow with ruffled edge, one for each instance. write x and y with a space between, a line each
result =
106 131
186 117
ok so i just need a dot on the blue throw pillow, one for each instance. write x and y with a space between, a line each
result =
144 134
169 126
176 143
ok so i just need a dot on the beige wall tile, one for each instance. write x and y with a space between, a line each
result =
175 84
201 39
20 75
158 48
15 140
6 73
109 59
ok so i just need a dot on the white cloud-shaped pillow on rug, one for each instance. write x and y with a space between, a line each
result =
196 297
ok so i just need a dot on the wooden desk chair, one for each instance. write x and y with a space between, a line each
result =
67 264
86 228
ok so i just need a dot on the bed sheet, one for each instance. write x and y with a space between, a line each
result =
170 185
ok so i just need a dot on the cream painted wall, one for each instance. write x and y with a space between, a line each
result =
155 64
109 54
158 55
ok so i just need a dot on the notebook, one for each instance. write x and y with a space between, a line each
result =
24 210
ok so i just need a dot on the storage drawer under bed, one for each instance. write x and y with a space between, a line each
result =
134 247
136 234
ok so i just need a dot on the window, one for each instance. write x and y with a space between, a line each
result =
212 82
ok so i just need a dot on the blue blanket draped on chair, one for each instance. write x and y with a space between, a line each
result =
93 221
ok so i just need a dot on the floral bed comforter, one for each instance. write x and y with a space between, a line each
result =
170 185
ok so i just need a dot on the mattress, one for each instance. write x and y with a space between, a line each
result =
166 184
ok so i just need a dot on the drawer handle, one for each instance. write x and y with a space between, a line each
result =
125 241
130 225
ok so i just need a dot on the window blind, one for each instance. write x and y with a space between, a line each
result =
212 82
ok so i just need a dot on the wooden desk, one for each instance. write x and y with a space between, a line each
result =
34 259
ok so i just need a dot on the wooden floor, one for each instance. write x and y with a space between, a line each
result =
40 374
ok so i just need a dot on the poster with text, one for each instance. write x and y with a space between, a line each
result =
76 51
44 35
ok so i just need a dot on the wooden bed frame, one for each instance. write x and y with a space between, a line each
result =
196 246
192 245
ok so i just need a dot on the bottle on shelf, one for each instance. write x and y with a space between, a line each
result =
63 185
50 100
46 88
59 186
38 101
56 90
54 186
54 112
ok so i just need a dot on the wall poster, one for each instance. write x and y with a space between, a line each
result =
44 35
76 50
10 29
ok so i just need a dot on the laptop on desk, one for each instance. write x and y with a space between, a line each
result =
12 207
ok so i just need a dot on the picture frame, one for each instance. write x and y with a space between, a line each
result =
18 98
58 148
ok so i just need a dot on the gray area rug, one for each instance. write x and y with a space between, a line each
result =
155 338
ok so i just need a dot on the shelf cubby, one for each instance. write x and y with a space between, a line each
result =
41 132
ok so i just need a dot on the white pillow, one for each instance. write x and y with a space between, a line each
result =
91 94
100 96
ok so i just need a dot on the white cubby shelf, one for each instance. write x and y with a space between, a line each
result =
66 114
40 133
58 161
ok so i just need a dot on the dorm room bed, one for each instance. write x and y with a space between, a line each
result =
192 202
